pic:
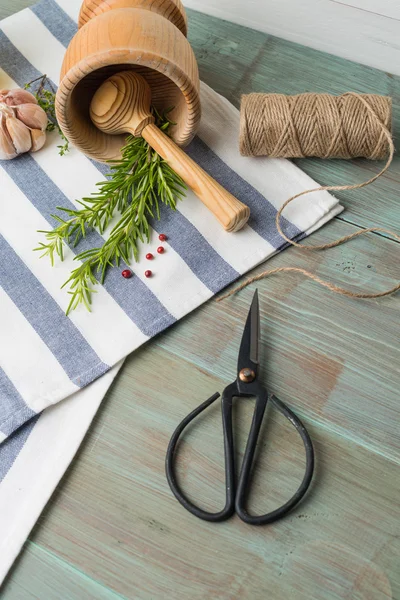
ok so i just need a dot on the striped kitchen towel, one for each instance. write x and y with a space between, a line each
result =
46 357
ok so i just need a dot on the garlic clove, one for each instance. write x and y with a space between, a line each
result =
38 139
19 134
17 96
7 111
7 150
32 115
23 123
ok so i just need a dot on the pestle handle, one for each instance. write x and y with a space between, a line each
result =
122 105
230 212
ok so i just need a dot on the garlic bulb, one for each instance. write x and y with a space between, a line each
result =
22 123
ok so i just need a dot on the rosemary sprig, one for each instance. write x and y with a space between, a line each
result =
45 94
138 183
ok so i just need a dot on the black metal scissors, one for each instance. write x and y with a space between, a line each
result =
246 385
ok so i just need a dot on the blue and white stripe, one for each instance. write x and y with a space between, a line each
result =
46 356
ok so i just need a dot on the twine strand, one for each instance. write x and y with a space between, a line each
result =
331 286
295 145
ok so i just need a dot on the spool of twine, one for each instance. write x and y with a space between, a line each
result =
325 126
346 126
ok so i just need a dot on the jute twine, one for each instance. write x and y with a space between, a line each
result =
348 126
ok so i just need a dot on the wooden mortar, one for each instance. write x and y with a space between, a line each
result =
170 9
147 37
120 37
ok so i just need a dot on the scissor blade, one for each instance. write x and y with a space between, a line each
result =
249 347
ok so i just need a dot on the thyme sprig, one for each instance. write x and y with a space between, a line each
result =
45 94
138 182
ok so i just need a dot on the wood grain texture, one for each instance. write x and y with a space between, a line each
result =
122 104
170 9
230 212
273 68
365 31
113 528
342 351
121 39
9 7
383 8
116 515
48 577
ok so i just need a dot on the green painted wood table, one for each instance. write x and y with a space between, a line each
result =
113 530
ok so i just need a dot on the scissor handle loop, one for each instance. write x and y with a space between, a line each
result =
245 473
229 508
236 501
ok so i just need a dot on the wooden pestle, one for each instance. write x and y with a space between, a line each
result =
122 105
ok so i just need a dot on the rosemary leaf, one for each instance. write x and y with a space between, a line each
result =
137 184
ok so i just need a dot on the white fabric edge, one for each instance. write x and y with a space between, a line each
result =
26 490
78 411
334 212
219 128
275 178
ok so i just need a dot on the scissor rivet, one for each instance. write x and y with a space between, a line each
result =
247 375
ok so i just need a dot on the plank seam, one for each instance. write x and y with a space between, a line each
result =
377 233
365 10
67 564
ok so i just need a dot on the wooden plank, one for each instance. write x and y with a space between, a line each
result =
352 32
114 520
49 578
8 7
222 53
330 355
116 516
289 68
385 8
235 60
